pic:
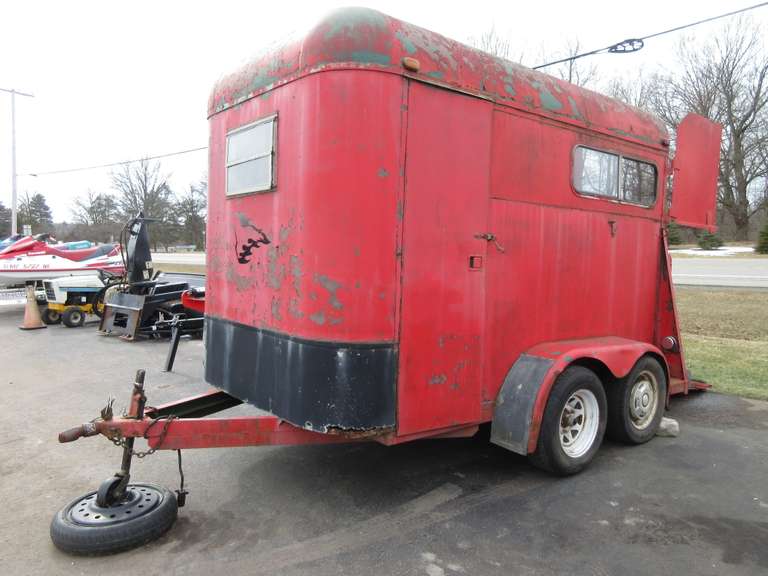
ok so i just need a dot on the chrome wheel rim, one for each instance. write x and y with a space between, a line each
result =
579 422
643 400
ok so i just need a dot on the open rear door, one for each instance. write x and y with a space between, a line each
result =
696 166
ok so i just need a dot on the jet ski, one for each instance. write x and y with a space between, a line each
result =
32 258
10 240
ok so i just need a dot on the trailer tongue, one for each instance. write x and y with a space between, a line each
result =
408 238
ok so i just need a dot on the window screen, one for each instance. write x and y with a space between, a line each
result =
250 157
598 173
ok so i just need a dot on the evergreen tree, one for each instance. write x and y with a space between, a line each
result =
673 234
5 221
762 240
709 241
41 211
35 212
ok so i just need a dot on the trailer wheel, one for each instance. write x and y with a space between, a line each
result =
636 403
50 316
83 527
73 317
573 424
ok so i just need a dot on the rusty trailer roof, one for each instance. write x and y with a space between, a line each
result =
362 38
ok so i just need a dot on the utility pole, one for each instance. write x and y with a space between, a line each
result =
14 208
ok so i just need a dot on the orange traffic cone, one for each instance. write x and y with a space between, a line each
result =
32 320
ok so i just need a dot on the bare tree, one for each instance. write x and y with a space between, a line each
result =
493 44
579 71
94 209
575 71
143 187
190 209
725 79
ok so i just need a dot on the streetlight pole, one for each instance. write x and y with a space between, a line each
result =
13 155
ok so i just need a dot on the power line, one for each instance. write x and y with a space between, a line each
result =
635 44
121 163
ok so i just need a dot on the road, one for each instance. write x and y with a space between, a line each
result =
695 504
193 258
721 271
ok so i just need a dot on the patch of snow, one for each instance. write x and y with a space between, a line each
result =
723 251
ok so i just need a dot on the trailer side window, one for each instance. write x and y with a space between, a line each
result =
638 181
250 151
598 173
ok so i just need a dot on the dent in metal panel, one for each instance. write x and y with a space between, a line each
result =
514 405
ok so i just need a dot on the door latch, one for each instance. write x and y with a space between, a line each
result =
490 237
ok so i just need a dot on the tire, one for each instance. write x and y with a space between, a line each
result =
73 317
50 317
91 540
567 450
636 402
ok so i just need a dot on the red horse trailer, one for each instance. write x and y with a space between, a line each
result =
408 238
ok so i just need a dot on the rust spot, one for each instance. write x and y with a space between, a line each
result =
296 272
241 282
276 308
318 318
275 269
331 286
293 308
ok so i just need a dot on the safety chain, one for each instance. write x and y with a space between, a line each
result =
121 442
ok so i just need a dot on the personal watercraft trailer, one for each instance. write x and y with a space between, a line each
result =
408 238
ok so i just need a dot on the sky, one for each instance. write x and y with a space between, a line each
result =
115 81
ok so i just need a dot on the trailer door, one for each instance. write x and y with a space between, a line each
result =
443 274
695 168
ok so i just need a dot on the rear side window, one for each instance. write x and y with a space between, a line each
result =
250 157
598 173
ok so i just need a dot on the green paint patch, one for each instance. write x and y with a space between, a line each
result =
574 108
438 74
509 89
546 97
625 134
406 43
370 57
383 173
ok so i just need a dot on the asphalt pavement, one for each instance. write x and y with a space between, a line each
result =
730 271
695 504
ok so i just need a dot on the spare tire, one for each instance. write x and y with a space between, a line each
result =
83 527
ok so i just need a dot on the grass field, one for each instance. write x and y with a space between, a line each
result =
725 338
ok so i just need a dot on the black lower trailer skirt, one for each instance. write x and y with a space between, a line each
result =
313 384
